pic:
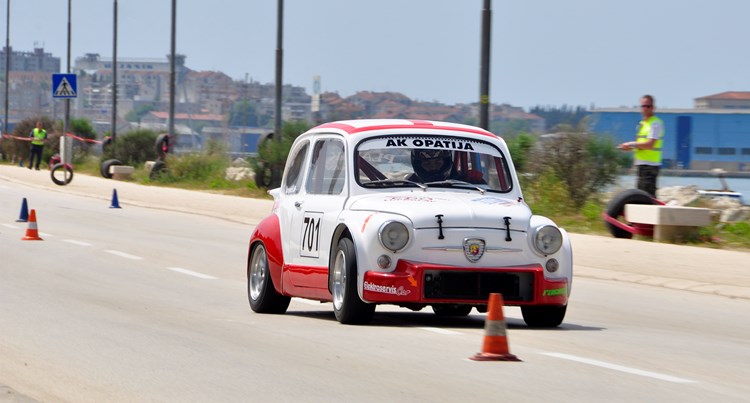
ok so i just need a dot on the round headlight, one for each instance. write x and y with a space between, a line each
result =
393 236
547 240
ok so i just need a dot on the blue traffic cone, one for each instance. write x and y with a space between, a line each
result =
115 202
24 217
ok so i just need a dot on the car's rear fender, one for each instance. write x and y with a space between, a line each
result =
268 232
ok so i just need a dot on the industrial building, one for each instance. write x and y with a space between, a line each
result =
716 134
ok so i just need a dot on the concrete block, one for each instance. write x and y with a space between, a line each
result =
121 172
671 223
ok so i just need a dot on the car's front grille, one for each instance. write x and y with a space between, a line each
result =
473 285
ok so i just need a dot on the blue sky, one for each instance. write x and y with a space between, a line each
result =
604 53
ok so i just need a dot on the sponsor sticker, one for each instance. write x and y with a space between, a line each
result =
554 292
386 289
493 201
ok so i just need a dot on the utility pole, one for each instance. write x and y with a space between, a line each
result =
484 70
172 71
114 74
275 170
7 67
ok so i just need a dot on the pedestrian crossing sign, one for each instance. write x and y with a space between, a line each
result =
64 86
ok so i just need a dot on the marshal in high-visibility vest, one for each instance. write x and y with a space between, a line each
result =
651 128
37 135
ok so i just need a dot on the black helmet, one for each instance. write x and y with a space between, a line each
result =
431 172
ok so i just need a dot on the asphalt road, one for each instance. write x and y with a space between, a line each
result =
147 304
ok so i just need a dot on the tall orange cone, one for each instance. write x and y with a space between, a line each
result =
32 234
495 346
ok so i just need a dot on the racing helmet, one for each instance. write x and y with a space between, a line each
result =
431 165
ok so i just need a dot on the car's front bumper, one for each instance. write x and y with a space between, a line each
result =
428 283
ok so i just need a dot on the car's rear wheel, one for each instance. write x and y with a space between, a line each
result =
451 310
260 290
543 316
347 306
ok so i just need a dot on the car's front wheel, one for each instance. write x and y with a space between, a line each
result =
543 316
260 291
347 306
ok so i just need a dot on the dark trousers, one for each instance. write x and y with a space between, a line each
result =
36 150
647 179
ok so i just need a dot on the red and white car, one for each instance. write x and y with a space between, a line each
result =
406 212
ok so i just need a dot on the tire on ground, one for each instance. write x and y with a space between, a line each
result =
104 167
347 306
61 181
157 169
543 316
261 293
616 208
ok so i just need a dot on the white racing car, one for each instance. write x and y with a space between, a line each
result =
411 213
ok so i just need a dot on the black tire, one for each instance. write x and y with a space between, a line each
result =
104 167
451 310
58 174
261 293
162 145
616 209
347 306
263 177
543 316
156 170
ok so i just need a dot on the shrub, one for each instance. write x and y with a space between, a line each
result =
133 148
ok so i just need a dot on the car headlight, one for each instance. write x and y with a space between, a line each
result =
393 235
547 239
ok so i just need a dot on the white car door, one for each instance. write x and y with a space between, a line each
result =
314 214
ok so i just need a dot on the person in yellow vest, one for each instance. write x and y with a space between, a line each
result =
647 146
38 135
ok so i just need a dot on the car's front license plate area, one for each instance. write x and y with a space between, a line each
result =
474 285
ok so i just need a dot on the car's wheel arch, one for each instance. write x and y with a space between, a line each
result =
341 231
268 233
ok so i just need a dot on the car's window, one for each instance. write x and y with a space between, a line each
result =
327 168
410 161
293 178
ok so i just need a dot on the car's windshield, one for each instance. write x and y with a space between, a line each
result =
434 161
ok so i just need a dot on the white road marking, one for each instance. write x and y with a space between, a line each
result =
44 234
123 254
11 226
74 242
439 330
191 273
620 368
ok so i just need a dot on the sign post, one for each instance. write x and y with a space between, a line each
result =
64 86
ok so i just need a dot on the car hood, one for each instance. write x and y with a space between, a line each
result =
459 210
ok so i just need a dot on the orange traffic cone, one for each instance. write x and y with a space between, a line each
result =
32 234
495 347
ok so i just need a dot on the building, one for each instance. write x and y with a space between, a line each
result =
38 60
697 139
724 100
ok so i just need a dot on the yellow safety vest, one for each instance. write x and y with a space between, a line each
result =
39 136
653 156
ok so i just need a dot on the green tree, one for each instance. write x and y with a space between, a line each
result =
136 114
272 154
583 162
133 147
520 148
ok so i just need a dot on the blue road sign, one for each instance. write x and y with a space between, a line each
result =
64 86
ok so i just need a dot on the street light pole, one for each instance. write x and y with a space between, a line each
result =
484 70
7 67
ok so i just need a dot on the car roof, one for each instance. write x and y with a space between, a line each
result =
353 127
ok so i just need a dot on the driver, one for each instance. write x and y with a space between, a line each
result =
431 165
